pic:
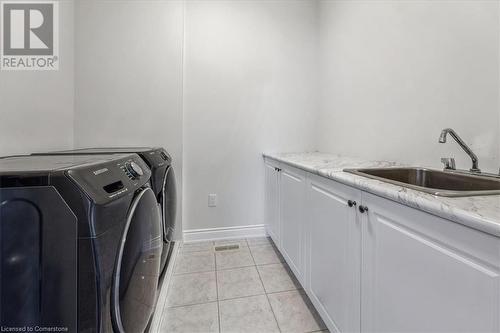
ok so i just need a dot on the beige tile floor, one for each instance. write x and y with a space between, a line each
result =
249 289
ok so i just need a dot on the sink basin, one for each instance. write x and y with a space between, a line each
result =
440 183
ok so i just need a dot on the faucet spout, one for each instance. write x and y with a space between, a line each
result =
461 143
442 137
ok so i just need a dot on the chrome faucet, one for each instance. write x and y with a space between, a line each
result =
454 135
449 163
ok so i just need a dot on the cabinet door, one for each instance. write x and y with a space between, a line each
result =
272 201
334 256
292 197
422 273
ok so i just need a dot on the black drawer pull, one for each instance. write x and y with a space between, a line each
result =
363 209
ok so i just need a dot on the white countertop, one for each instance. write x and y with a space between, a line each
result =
478 212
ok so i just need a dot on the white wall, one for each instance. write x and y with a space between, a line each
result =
381 82
394 73
36 107
129 76
249 88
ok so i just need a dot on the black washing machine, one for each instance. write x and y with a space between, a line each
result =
80 243
162 183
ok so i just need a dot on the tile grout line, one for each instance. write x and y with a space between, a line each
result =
269 302
240 297
218 300
229 268
288 272
189 304
197 272
183 274
267 297
243 267
182 254
273 263
192 252
217 288
237 267
239 250
284 291
222 300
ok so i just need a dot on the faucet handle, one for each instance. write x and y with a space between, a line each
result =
449 163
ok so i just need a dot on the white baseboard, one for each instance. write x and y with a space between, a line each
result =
258 230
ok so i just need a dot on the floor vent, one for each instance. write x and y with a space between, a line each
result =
227 247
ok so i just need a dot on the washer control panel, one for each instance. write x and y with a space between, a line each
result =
133 170
111 177
157 157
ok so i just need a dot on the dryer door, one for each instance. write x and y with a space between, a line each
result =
169 204
38 259
137 267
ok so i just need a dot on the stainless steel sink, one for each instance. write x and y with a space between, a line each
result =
440 183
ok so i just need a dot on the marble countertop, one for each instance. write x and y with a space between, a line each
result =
478 212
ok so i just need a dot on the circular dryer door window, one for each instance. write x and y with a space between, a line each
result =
137 267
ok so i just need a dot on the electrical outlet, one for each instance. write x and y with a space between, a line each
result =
212 200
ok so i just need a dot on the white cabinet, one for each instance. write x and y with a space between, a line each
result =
390 268
333 255
272 200
292 203
426 274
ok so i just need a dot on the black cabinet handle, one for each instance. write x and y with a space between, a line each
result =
351 203
363 209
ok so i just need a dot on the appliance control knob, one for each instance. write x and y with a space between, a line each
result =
134 169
